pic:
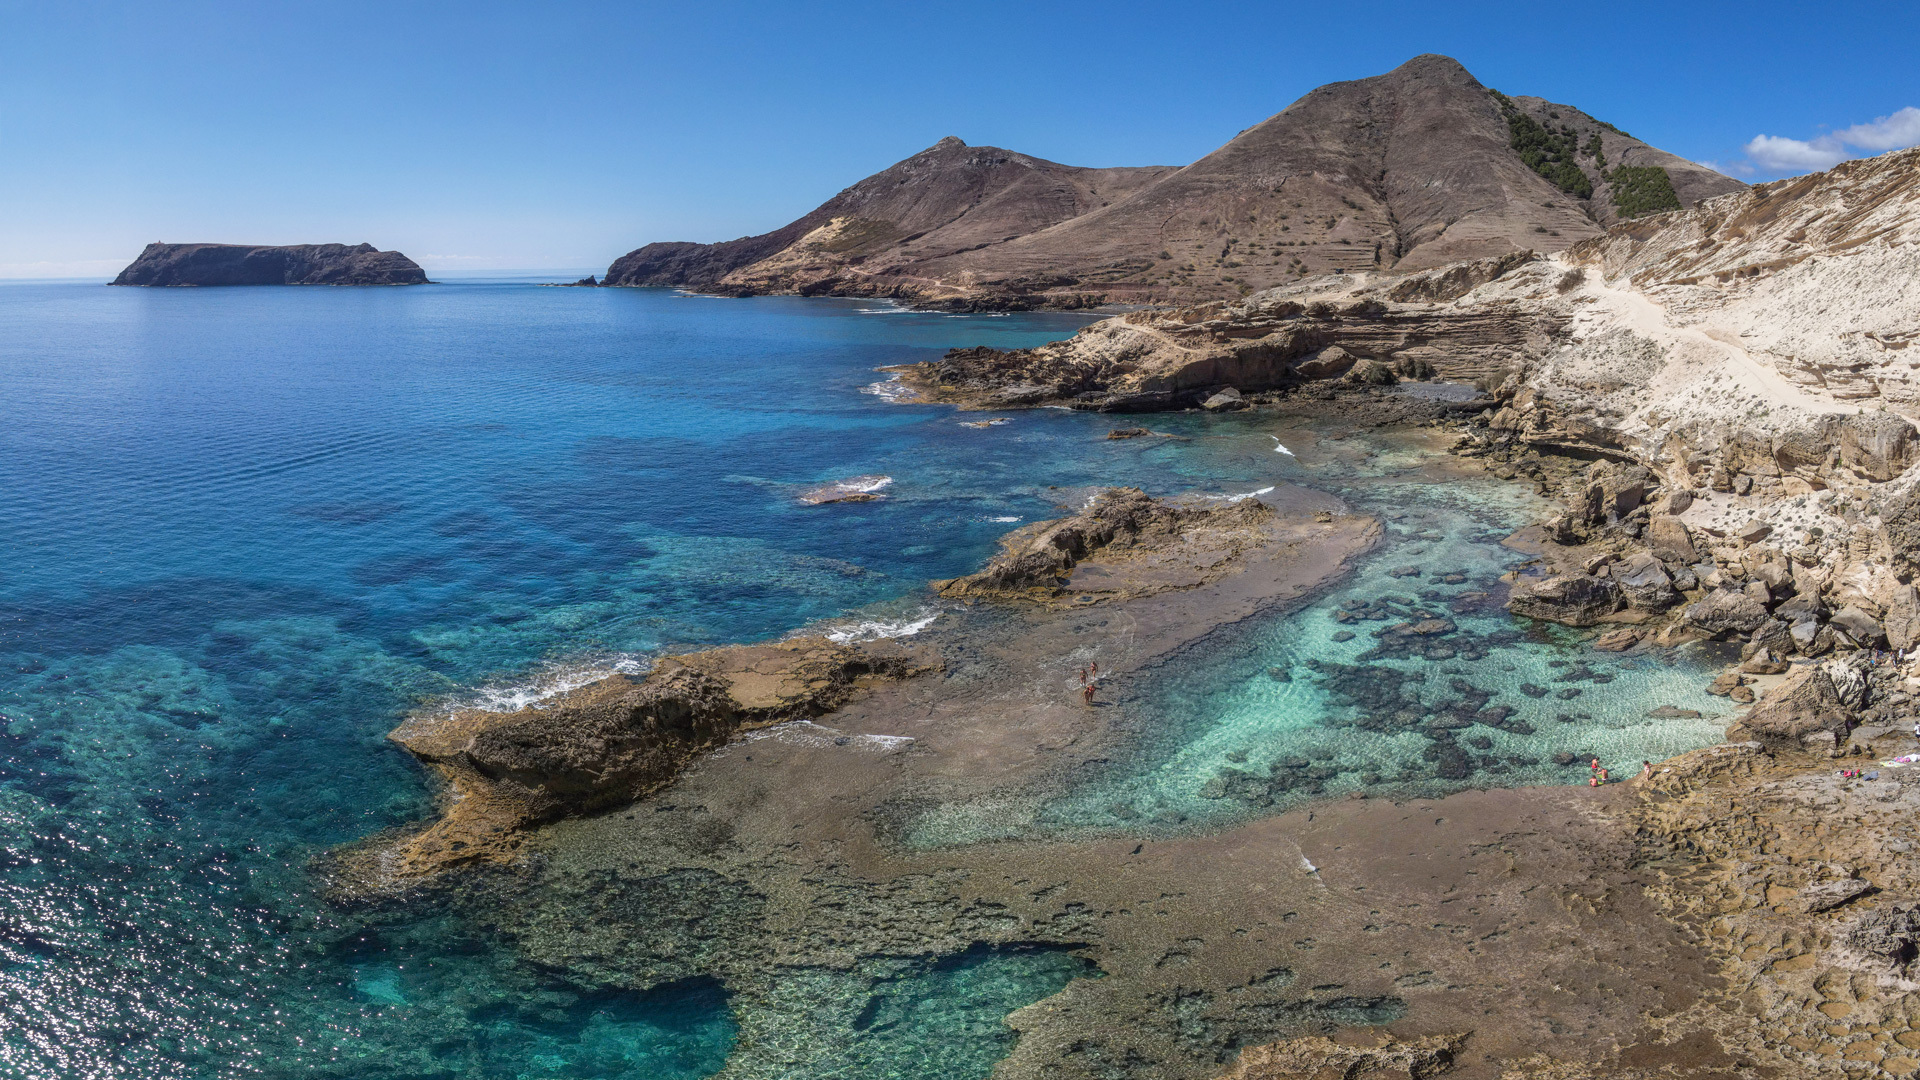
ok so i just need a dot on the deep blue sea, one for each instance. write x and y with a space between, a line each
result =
244 531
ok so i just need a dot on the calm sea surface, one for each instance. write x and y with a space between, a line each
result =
244 531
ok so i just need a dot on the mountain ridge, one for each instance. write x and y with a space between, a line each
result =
1409 170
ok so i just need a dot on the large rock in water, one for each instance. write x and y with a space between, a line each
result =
242 264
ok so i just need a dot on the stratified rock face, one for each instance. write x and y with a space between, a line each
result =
242 264
1414 169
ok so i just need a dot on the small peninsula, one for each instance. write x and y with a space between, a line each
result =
250 264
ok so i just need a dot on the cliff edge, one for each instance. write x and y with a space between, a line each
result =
246 264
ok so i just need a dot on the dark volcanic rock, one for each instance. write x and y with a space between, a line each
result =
242 264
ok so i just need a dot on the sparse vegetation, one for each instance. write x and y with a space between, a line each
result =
1374 373
1412 367
1546 150
1639 190
1595 152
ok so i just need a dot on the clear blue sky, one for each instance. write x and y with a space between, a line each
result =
480 135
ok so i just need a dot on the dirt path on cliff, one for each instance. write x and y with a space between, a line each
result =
1648 317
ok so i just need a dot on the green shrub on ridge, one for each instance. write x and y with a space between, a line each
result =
1639 190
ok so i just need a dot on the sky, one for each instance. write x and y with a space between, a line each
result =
480 136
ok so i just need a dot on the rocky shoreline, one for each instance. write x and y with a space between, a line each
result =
1745 910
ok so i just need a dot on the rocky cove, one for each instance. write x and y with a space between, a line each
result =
1397 886
864 813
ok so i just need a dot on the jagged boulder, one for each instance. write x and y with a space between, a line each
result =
1036 562
1806 709
1573 599
1668 539
1328 363
1612 491
1726 611
1227 400
1902 618
1644 583
1860 625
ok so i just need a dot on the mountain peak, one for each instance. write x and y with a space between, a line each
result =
1407 170
1434 65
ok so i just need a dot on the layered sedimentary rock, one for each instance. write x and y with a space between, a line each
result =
1417 168
1327 329
242 264
1751 357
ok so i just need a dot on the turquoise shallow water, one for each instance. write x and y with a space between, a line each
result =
244 531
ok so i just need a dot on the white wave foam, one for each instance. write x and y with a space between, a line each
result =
890 390
1280 447
875 629
547 683
841 489
1237 498
1004 519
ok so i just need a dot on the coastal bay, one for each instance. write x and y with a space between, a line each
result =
1315 730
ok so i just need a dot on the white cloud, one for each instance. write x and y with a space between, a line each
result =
1896 132
1730 168
1778 154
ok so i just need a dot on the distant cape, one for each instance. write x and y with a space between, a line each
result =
244 264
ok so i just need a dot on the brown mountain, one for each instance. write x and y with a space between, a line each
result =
948 199
1409 170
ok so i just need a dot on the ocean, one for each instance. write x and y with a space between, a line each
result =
244 531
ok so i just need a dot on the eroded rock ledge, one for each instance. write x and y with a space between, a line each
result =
1144 546
620 739
605 744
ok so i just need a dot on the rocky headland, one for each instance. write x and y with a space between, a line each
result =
1719 402
1417 168
243 264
